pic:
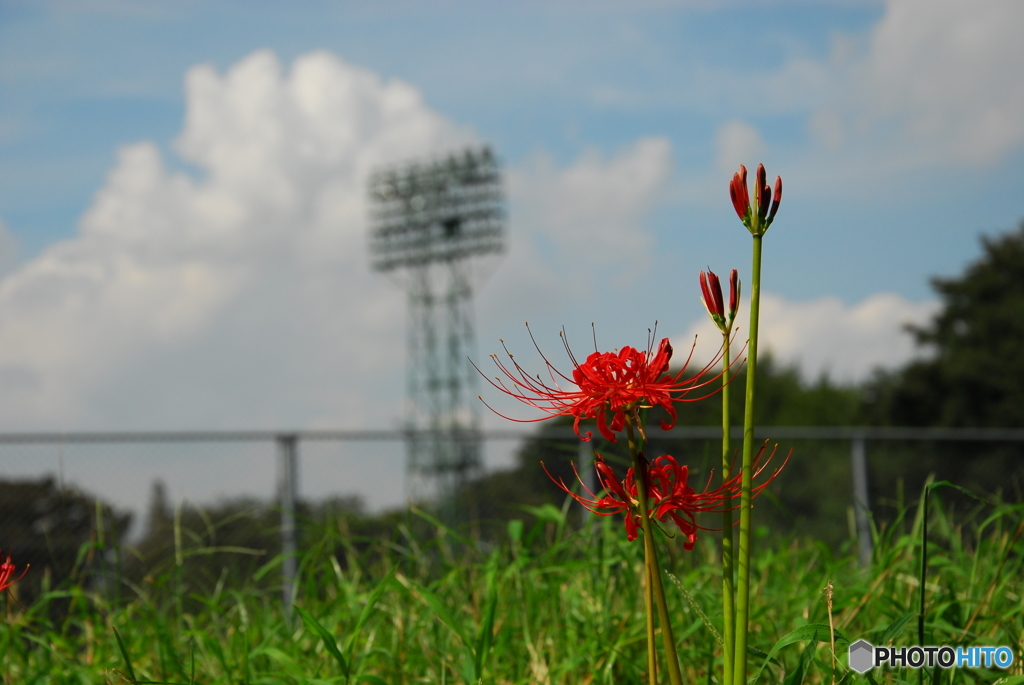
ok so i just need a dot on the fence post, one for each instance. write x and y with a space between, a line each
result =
861 507
289 491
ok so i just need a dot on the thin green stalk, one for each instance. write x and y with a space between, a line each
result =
728 590
101 546
652 651
924 565
651 562
924 574
743 577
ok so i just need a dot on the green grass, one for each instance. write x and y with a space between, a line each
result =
547 604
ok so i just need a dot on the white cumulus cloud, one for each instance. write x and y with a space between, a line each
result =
241 295
594 210
951 71
825 336
254 272
933 82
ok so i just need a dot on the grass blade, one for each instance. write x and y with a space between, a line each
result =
811 632
441 612
127 660
797 676
486 632
328 639
371 602
895 629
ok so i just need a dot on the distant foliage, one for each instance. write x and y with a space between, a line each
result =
55 529
975 376
564 608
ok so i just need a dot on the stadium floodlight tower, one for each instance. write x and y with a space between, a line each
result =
430 221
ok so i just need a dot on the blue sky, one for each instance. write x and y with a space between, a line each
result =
80 79
169 216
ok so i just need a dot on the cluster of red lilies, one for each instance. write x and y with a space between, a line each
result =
608 386
614 388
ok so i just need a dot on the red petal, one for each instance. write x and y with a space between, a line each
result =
738 195
659 364
734 293
602 427
777 199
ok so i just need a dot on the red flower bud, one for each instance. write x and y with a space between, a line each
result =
734 295
711 290
757 217
738 193
763 196
777 199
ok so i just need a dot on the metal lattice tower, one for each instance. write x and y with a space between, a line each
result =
428 222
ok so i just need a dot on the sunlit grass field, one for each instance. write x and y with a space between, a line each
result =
550 602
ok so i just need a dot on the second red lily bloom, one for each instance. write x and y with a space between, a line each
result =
669 494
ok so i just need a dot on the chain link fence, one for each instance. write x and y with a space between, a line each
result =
95 503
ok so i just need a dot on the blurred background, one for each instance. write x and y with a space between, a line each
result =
184 223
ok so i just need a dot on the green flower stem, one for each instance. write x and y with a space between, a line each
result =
651 562
924 574
743 577
652 648
728 591
652 651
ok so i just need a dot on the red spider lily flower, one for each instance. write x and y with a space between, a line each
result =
669 494
759 216
711 289
607 385
7 570
620 497
674 498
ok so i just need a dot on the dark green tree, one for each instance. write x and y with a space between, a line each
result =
66 535
975 374
971 376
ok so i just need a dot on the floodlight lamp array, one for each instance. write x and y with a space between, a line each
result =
439 211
